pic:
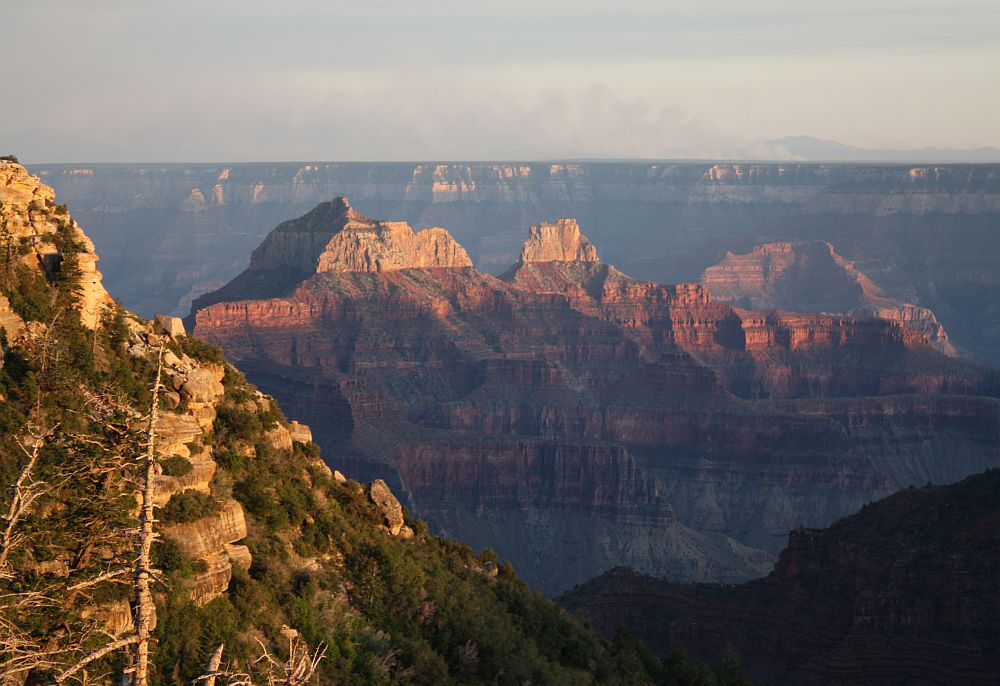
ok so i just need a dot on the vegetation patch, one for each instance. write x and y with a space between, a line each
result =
189 506
175 465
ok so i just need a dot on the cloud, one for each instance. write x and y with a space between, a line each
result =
393 79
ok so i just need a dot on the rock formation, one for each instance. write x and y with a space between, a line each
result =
227 475
30 231
903 592
568 414
812 277
926 236
333 237
392 511
558 242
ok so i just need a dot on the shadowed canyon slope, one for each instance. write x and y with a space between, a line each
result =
903 592
927 235
575 418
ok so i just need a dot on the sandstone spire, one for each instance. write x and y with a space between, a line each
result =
560 241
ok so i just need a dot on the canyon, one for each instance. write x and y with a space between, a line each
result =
902 592
256 544
575 418
926 235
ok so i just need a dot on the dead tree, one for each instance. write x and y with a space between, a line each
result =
143 607
19 652
25 491
297 670
144 611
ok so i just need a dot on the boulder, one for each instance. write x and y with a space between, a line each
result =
200 385
172 326
392 511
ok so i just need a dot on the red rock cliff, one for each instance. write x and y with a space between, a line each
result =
687 430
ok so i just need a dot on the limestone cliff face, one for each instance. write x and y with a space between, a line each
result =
558 242
812 277
31 221
902 592
387 246
569 411
334 237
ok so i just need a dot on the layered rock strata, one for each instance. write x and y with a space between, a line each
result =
812 277
925 234
572 416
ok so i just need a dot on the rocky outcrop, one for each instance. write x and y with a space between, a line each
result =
567 411
558 242
29 235
392 511
300 432
171 326
208 539
903 592
812 277
333 237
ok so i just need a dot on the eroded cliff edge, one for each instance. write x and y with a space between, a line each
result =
576 418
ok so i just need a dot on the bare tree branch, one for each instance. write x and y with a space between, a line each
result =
96 655
24 493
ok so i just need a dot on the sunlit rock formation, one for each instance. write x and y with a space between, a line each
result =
569 415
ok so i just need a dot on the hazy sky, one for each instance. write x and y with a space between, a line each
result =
442 79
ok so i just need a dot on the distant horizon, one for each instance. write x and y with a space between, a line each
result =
388 80
798 149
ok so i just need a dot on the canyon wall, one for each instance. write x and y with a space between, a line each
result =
812 277
575 418
903 592
927 235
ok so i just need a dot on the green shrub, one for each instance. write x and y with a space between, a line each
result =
188 506
9 158
237 424
206 353
175 465
30 298
171 559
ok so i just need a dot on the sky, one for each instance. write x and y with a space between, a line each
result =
228 80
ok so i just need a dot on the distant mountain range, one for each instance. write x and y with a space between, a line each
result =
50 146
819 150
